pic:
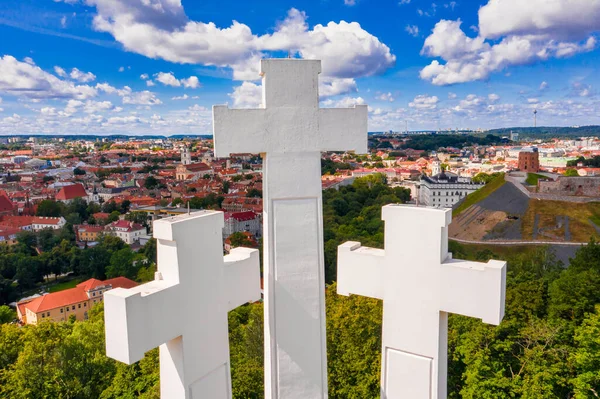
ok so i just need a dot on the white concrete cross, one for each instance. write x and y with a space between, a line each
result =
420 284
185 309
290 130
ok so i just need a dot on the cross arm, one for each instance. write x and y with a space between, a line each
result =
139 319
474 289
360 270
242 277
238 130
344 129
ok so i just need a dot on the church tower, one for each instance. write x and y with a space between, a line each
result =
186 157
435 168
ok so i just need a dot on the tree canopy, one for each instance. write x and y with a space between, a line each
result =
547 346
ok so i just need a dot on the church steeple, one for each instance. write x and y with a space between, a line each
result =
186 157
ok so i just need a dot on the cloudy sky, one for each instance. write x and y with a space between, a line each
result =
157 66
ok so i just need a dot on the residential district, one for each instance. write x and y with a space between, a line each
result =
90 190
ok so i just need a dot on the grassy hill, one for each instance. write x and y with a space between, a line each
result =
479 195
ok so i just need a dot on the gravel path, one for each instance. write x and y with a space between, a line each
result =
507 199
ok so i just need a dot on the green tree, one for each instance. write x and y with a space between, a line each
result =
109 207
149 250
138 217
353 345
151 182
176 201
239 239
586 357
226 186
577 290
246 351
7 314
571 172
122 263
49 208
114 216
253 192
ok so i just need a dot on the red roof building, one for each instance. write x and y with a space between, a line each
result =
69 193
127 231
17 222
247 221
59 306
6 205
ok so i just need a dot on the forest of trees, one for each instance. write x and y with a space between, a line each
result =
547 346
48 252
594 162
354 213
549 132
432 142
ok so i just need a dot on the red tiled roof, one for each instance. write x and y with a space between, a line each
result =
120 282
88 227
57 300
71 192
126 224
197 167
89 284
5 203
8 231
72 295
241 216
17 221
45 220
21 305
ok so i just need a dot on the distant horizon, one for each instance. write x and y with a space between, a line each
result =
442 131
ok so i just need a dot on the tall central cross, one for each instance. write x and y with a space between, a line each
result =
290 130
185 309
420 284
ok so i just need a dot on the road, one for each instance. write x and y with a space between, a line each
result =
495 242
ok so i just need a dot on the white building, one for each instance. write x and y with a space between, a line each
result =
445 189
242 221
42 222
127 231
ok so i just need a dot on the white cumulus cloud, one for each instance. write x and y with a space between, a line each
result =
329 87
346 102
192 82
385 97
412 30
570 20
81 76
169 79
247 95
162 30
424 101
141 98
27 80
510 32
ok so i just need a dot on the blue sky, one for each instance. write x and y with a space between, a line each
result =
157 66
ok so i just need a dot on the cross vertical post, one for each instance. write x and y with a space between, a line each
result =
420 284
184 310
290 131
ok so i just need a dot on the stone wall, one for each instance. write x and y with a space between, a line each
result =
571 186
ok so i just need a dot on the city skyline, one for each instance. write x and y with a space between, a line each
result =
157 67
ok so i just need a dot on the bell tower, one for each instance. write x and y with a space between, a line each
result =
186 157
